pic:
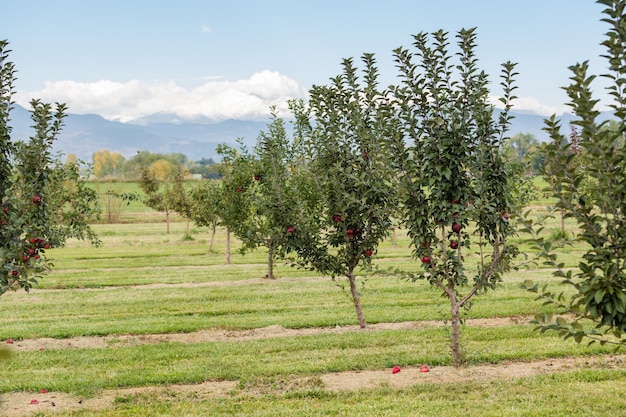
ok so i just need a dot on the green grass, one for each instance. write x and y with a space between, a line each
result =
98 284
294 303
85 371
571 394
144 281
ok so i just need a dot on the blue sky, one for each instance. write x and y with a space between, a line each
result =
233 58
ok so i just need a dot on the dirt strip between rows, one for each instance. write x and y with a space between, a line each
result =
218 335
23 404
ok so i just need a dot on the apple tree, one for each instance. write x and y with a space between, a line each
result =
346 185
157 193
206 206
262 191
236 170
593 193
179 196
455 186
44 201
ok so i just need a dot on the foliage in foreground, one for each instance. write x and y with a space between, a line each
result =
588 180
44 202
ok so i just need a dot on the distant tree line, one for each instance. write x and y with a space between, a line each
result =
107 165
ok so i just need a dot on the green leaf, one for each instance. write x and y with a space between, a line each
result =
599 295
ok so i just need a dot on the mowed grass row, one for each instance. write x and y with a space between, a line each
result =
211 294
293 303
572 394
87 371
141 253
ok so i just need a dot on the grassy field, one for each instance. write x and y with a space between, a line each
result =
151 324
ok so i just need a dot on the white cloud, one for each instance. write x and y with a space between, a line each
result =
205 29
215 99
532 105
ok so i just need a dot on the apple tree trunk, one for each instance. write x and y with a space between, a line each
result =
270 261
227 246
455 337
356 299
212 238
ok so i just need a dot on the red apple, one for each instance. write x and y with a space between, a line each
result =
424 368
30 251
337 218
15 272
25 258
43 391
257 177
32 240
10 341
36 256
46 245
291 230
34 402
369 252
395 370
238 189
350 233
454 244
425 259
36 199
505 216
6 209
456 228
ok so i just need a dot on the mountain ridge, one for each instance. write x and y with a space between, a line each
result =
83 134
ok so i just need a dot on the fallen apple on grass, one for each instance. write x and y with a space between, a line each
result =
395 370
